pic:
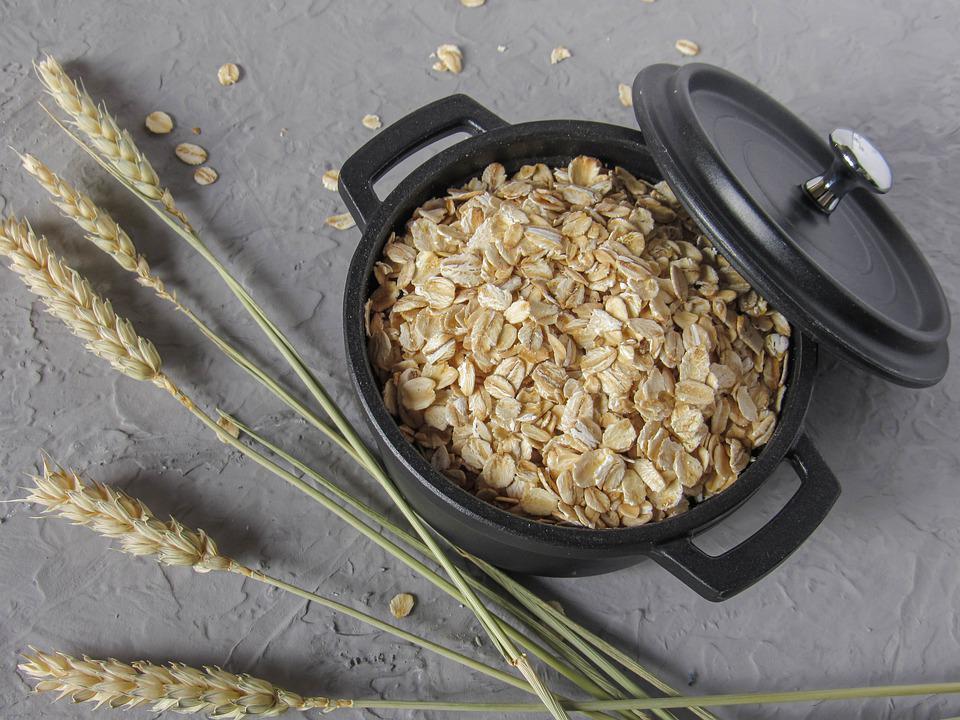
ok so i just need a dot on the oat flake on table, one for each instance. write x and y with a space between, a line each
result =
190 153
343 221
331 179
158 122
450 59
401 605
559 54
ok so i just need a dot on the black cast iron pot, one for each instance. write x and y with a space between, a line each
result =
512 542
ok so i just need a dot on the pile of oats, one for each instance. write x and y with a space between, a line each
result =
568 346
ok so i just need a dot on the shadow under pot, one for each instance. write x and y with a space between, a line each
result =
516 543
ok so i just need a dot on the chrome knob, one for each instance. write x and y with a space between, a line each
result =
856 163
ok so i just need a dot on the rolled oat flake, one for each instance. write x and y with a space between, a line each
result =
799 216
191 154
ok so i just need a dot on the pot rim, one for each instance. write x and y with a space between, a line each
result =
416 188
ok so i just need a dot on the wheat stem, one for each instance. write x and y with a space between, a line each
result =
688 702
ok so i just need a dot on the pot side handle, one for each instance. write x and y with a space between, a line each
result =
720 577
403 138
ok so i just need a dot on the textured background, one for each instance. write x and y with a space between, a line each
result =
871 598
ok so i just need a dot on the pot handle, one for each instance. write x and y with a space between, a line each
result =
403 138
723 576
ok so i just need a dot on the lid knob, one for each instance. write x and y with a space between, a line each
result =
856 163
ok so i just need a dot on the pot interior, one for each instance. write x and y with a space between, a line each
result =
553 143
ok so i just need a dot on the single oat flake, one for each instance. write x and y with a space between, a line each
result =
626 94
344 221
191 154
331 179
558 54
205 176
472 3
228 74
371 122
401 605
687 47
450 59
158 122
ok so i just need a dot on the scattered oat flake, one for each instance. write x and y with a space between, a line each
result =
401 605
191 154
372 122
687 47
626 95
331 179
158 122
559 54
205 176
472 3
501 48
343 221
195 131
228 74
450 59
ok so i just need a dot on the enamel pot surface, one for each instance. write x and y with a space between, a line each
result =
512 542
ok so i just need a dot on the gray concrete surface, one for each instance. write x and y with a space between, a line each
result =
871 598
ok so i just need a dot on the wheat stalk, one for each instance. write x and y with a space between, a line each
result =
182 689
175 687
69 296
105 134
102 230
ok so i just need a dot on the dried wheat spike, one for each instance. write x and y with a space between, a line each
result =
69 296
103 231
114 514
104 133
175 687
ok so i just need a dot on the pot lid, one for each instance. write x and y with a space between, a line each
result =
797 214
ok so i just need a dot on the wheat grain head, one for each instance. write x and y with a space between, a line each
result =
175 687
116 515
69 296
102 230
103 132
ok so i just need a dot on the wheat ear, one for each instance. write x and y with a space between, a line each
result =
114 514
104 133
175 687
69 296
102 230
